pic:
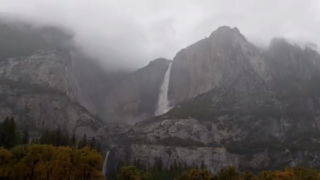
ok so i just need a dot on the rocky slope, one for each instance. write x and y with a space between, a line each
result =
236 105
39 86
46 81
202 66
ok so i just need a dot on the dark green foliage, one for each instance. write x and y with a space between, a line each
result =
93 143
228 173
9 137
25 137
83 142
157 170
176 171
55 138
132 173
98 147
73 140
202 165
35 141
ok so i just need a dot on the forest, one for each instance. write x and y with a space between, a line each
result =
138 171
54 155
57 156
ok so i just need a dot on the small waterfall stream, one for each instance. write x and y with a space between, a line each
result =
104 167
163 102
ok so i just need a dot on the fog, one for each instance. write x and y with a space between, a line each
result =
130 33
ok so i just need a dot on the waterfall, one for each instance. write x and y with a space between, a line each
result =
104 167
163 102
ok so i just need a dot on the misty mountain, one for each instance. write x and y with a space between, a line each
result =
236 105
39 83
233 103
48 81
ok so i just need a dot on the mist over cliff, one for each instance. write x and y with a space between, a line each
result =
127 35
157 85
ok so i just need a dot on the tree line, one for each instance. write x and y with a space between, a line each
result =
182 171
54 155
46 162
228 173
10 137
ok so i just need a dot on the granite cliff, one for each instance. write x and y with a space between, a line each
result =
235 105
46 81
39 86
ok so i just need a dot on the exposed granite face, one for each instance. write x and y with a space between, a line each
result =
236 105
244 145
39 91
202 66
39 86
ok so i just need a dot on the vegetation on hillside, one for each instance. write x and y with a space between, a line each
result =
35 162
52 156
178 171
55 155
228 173
10 137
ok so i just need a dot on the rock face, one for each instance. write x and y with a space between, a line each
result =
236 105
136 96
202 66
39 86
46 82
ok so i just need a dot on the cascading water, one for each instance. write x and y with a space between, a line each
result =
104 167
163 102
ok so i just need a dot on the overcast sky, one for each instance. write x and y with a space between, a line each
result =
134 32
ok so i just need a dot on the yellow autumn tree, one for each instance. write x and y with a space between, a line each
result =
195 174
46 162
32 164
48 155
228 173
132 173
5 163
248 176
90 165
306 173
287 174
61 163
266 175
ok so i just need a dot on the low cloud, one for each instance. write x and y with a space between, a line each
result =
128 34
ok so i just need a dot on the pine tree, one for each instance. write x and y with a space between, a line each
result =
83 142
3 135
13 134
99 147
175 166
58 135
36 141
93 143
45 139
8 133
73 140
185 166
202 165
159 164
171 168
25 137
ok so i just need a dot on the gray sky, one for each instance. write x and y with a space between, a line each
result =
130 33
